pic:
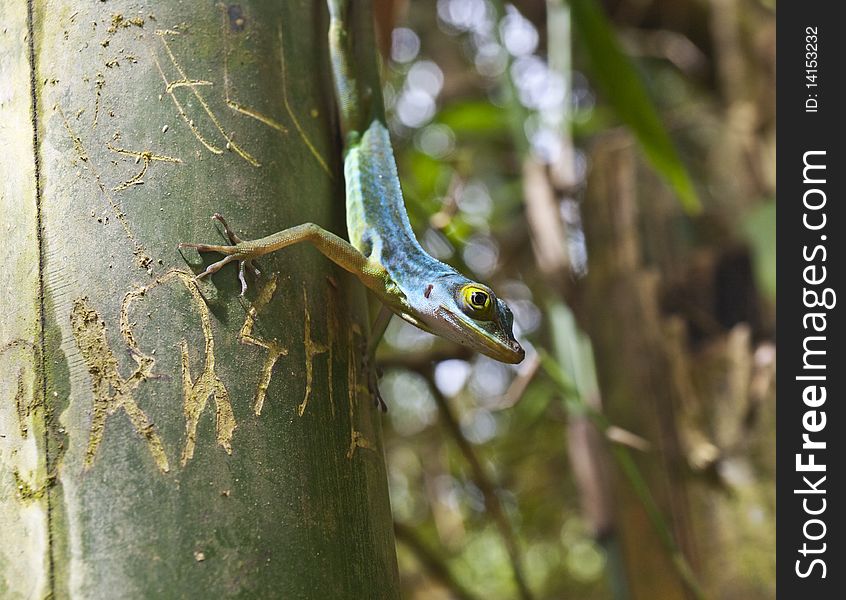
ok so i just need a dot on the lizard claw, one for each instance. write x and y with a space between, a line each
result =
233 237
373 374
373 386
232 253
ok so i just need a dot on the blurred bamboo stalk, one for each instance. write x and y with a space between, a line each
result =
639 386
587 451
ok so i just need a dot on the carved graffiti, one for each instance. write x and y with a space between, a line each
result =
275 350
195 392
112 392
312 349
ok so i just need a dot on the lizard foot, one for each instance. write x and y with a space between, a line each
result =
373 373
232 253
373 386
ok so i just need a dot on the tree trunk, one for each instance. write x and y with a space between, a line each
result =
161 437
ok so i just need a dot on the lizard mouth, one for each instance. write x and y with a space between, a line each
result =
465 332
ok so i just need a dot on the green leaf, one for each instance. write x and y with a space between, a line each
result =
616 76
475 118
759 229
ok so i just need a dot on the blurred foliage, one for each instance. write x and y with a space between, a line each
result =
759 230
472 94
614 73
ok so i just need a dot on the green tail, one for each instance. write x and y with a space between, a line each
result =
354 69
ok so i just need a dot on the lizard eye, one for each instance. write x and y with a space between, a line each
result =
477 302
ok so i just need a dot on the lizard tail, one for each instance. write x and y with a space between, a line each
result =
359 102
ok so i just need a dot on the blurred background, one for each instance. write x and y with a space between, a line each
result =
608 167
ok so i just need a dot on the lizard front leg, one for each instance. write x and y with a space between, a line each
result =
336 249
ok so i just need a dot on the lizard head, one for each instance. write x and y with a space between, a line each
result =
470 314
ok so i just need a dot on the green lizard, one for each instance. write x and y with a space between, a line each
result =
383 251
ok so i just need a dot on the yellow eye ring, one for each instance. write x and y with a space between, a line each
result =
477 302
